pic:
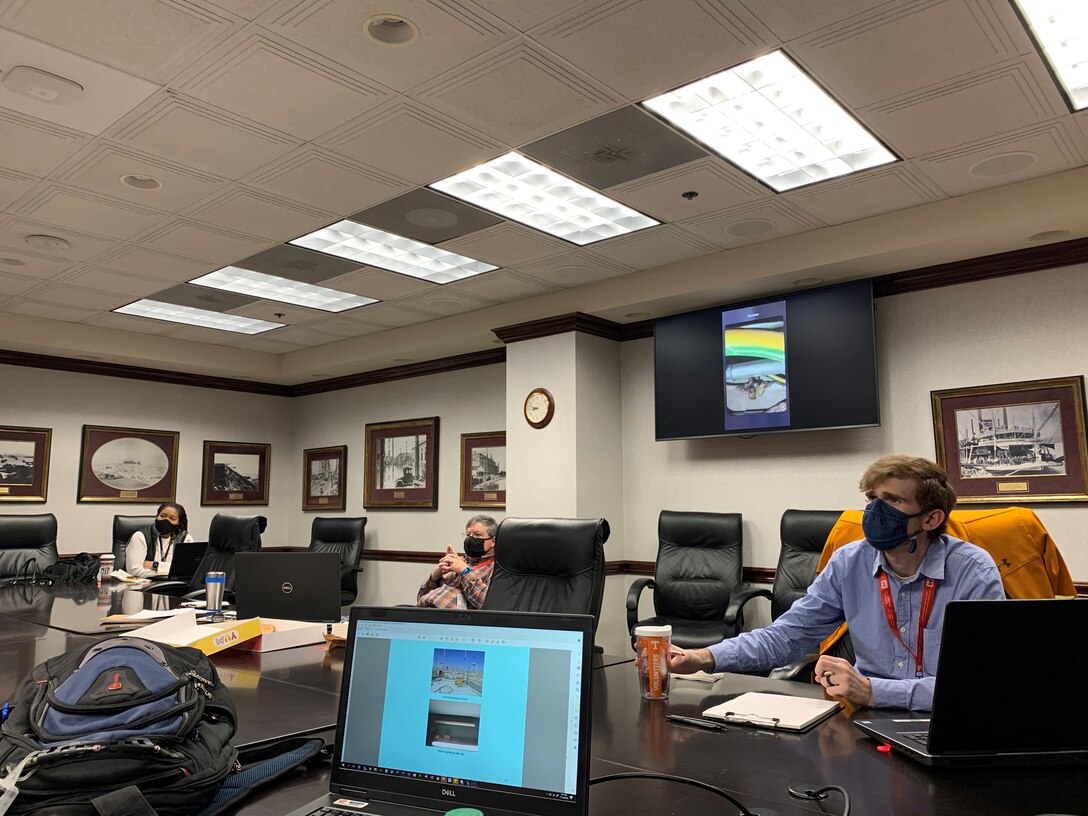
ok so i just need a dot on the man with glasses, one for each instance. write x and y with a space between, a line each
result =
460 581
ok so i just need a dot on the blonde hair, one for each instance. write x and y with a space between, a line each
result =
934 490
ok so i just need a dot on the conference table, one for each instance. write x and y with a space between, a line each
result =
295 691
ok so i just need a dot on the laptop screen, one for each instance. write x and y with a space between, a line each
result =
467 708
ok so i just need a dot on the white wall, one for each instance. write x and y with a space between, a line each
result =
66 401
1015 328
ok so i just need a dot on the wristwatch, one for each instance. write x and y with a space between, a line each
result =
465 571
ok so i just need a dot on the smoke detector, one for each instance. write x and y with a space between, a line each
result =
42 86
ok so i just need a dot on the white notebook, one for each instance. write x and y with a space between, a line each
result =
777 711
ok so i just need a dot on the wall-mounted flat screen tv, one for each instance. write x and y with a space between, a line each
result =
797 362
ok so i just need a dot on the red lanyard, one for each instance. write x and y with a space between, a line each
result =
928 593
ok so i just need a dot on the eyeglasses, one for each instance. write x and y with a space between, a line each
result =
479 538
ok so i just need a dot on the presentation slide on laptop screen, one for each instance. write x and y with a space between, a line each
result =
754 358
467 705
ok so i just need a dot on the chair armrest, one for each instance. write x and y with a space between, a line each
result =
632 601
734 613
800 671
174 588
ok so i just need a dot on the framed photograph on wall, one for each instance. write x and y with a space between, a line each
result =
483 469
324 475
235 473
129 465
24 463
1014 443
402 464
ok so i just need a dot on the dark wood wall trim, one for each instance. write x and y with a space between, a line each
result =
560 324
129 372
455 363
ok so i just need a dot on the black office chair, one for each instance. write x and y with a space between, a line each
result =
28 544
343 536
803 534
227 535
699 566
123 528
549 565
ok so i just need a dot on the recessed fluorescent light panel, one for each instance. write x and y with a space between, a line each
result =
1061 28
157 310
385 250
771 120
523 190
271 287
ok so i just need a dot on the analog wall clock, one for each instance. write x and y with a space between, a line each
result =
539 407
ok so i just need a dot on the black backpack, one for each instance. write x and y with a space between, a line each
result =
126 712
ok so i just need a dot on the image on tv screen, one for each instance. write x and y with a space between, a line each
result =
754 361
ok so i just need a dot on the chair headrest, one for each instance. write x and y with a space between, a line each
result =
559 547
683 528
228 533
21 532
807 530
337 529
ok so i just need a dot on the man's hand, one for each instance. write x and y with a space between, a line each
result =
449 562
840 679
687 661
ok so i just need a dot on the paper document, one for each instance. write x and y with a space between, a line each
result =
121 575
776 711
700 676
143 616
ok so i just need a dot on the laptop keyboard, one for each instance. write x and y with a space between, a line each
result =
331 811
920 737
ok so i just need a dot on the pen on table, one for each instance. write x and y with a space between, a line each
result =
713 726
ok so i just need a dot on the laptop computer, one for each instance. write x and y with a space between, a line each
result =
185 559
1007 692
443 709
301 586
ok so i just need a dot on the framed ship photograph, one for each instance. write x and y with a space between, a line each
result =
1014 443
24 463
324 474
402 464
129 465
235 473
483 469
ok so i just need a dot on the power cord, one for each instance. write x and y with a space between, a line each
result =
814 794
683 780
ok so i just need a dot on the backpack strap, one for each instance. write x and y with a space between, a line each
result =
260 766
124 802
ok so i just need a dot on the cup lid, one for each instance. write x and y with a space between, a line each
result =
653 631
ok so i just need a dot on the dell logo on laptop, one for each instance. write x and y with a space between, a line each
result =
287 587
448 792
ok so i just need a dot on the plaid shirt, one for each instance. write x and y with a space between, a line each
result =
453 591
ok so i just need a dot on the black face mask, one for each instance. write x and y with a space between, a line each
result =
474 547
165 527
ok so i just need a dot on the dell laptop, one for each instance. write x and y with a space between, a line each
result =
443 709
1008 688
302 586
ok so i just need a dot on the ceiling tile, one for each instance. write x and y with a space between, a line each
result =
412 141
388 315
426 216
298 264
281 85
254 212
33 146
269 345
87 212
11 284
200 241
617 147
507 244
525 14
199 334
246 9
875 55
345 328
642 49
13 185
31 264
1001 98
52 311
751 223
518 93
717 183
81 246
451 32
656 246
125 322
378 283
883 189
143 261
198 135
503 286
327 181
77 297
101 167
574 269
147 38
123 283
106 94
275 312
789 19
1035 151
201 297
300 335
445 302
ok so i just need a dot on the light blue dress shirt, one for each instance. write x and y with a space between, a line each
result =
848 589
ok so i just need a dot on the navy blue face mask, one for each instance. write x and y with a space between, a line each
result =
886 526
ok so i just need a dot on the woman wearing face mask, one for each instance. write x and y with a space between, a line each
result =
460 582
149 553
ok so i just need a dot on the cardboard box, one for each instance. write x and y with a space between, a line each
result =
286 635
183 630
